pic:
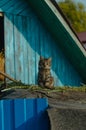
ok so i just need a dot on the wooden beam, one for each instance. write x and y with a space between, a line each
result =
7 76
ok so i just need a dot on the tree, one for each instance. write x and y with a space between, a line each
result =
76 14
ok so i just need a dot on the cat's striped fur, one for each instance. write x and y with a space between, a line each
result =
44 74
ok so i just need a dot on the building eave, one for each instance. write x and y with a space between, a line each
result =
62 33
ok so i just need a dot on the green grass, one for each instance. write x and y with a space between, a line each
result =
74 88
20 85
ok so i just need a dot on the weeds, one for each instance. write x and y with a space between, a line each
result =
56 89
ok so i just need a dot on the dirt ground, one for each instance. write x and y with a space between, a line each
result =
54 97
67 109
67 99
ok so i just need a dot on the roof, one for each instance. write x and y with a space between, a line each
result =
53 19
82 36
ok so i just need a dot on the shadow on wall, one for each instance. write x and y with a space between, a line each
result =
30 40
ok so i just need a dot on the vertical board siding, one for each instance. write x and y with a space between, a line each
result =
25 40
11 7
24 114
9 45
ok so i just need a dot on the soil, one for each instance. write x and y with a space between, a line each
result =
67 119
54 97
67 110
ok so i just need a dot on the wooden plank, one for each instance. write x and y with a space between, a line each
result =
3 2
25 48
18 7
12 7
27 11
33 32
8 4
8 76
18 39
9 45
6 36
41 40
37 49
29 49
21 7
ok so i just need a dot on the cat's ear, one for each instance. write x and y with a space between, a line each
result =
41 58
50 59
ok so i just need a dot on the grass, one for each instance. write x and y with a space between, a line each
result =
20 85
71 88
2 61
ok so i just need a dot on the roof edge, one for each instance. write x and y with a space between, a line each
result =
73 34
51 21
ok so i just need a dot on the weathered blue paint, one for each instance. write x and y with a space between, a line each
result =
25 40
24 114
13 6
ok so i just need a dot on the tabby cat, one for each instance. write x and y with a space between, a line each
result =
44 75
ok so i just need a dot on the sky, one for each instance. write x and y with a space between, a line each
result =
82 1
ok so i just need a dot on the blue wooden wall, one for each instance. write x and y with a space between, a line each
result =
25 40
24 114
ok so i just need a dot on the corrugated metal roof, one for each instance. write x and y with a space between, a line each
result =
23 114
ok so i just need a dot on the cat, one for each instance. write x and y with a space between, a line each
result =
44 63
44 75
